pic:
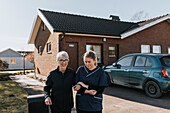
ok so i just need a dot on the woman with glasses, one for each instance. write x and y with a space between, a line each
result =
92 80
58 88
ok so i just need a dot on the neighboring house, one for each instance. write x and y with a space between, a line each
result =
110 38
15 60
29 55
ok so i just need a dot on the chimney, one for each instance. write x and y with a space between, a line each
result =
114 18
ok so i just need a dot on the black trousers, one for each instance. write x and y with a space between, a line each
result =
81 111
56 111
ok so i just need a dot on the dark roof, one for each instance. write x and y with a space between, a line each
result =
69 23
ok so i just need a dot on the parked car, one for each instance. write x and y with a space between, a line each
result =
150 72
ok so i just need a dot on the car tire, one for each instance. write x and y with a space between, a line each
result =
152 89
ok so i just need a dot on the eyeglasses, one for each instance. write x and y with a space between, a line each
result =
63 60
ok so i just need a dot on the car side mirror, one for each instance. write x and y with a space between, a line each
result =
116 65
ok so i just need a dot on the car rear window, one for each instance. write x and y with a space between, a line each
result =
165 61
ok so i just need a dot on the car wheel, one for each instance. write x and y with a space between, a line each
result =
108 80
152 89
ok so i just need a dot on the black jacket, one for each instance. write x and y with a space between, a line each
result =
59 88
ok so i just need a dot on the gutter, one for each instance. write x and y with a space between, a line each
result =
63 36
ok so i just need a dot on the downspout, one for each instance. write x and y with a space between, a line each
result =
63 36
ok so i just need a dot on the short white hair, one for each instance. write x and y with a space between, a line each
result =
62 54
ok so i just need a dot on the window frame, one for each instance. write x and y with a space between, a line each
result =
101 54
12 60
40 50
145 61
132 61
168 50
160 49
111 56
144 51
49 48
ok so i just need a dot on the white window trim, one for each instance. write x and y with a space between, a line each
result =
168 50
39 50
145 45
156 46
48 51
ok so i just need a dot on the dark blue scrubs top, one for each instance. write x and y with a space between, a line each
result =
95 77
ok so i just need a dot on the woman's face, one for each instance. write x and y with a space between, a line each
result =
63 62
89 63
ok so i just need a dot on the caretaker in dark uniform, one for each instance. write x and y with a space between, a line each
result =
92 80
58 89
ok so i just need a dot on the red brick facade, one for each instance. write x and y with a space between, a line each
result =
158 34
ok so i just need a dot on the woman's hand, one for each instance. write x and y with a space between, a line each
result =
84 85
48 101
77 87
91 92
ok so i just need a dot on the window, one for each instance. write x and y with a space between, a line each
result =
112 52
40 50
168 50
156 49
97 49
12 61
165 61
145 48
126 61
148 63
48 47
142 62
43 26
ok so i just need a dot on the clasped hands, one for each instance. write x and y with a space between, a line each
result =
81 84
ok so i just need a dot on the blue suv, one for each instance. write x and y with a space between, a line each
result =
150 72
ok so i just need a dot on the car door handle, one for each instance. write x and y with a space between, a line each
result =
126 70
145 71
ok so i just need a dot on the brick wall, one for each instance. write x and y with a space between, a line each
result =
45 62
158 34
155 35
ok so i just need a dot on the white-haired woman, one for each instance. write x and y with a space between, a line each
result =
58 89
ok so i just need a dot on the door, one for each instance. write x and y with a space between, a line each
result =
72 49
120 74
140 71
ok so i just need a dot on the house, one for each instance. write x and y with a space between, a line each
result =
110 38
29 55
15 60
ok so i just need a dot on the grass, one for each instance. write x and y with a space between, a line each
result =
13 98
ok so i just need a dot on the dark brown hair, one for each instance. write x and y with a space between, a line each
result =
92 55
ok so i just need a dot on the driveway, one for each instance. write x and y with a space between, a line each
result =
119 99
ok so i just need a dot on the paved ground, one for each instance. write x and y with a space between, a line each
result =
116 99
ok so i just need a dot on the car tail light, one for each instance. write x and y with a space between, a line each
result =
164 73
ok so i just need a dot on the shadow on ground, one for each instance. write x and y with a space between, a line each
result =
138 95
34 91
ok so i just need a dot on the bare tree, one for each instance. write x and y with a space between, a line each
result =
138 16
30 57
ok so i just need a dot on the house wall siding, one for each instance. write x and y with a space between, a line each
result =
19 63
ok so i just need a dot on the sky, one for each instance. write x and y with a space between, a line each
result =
17 16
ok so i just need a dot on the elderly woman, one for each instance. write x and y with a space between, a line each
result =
58 89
